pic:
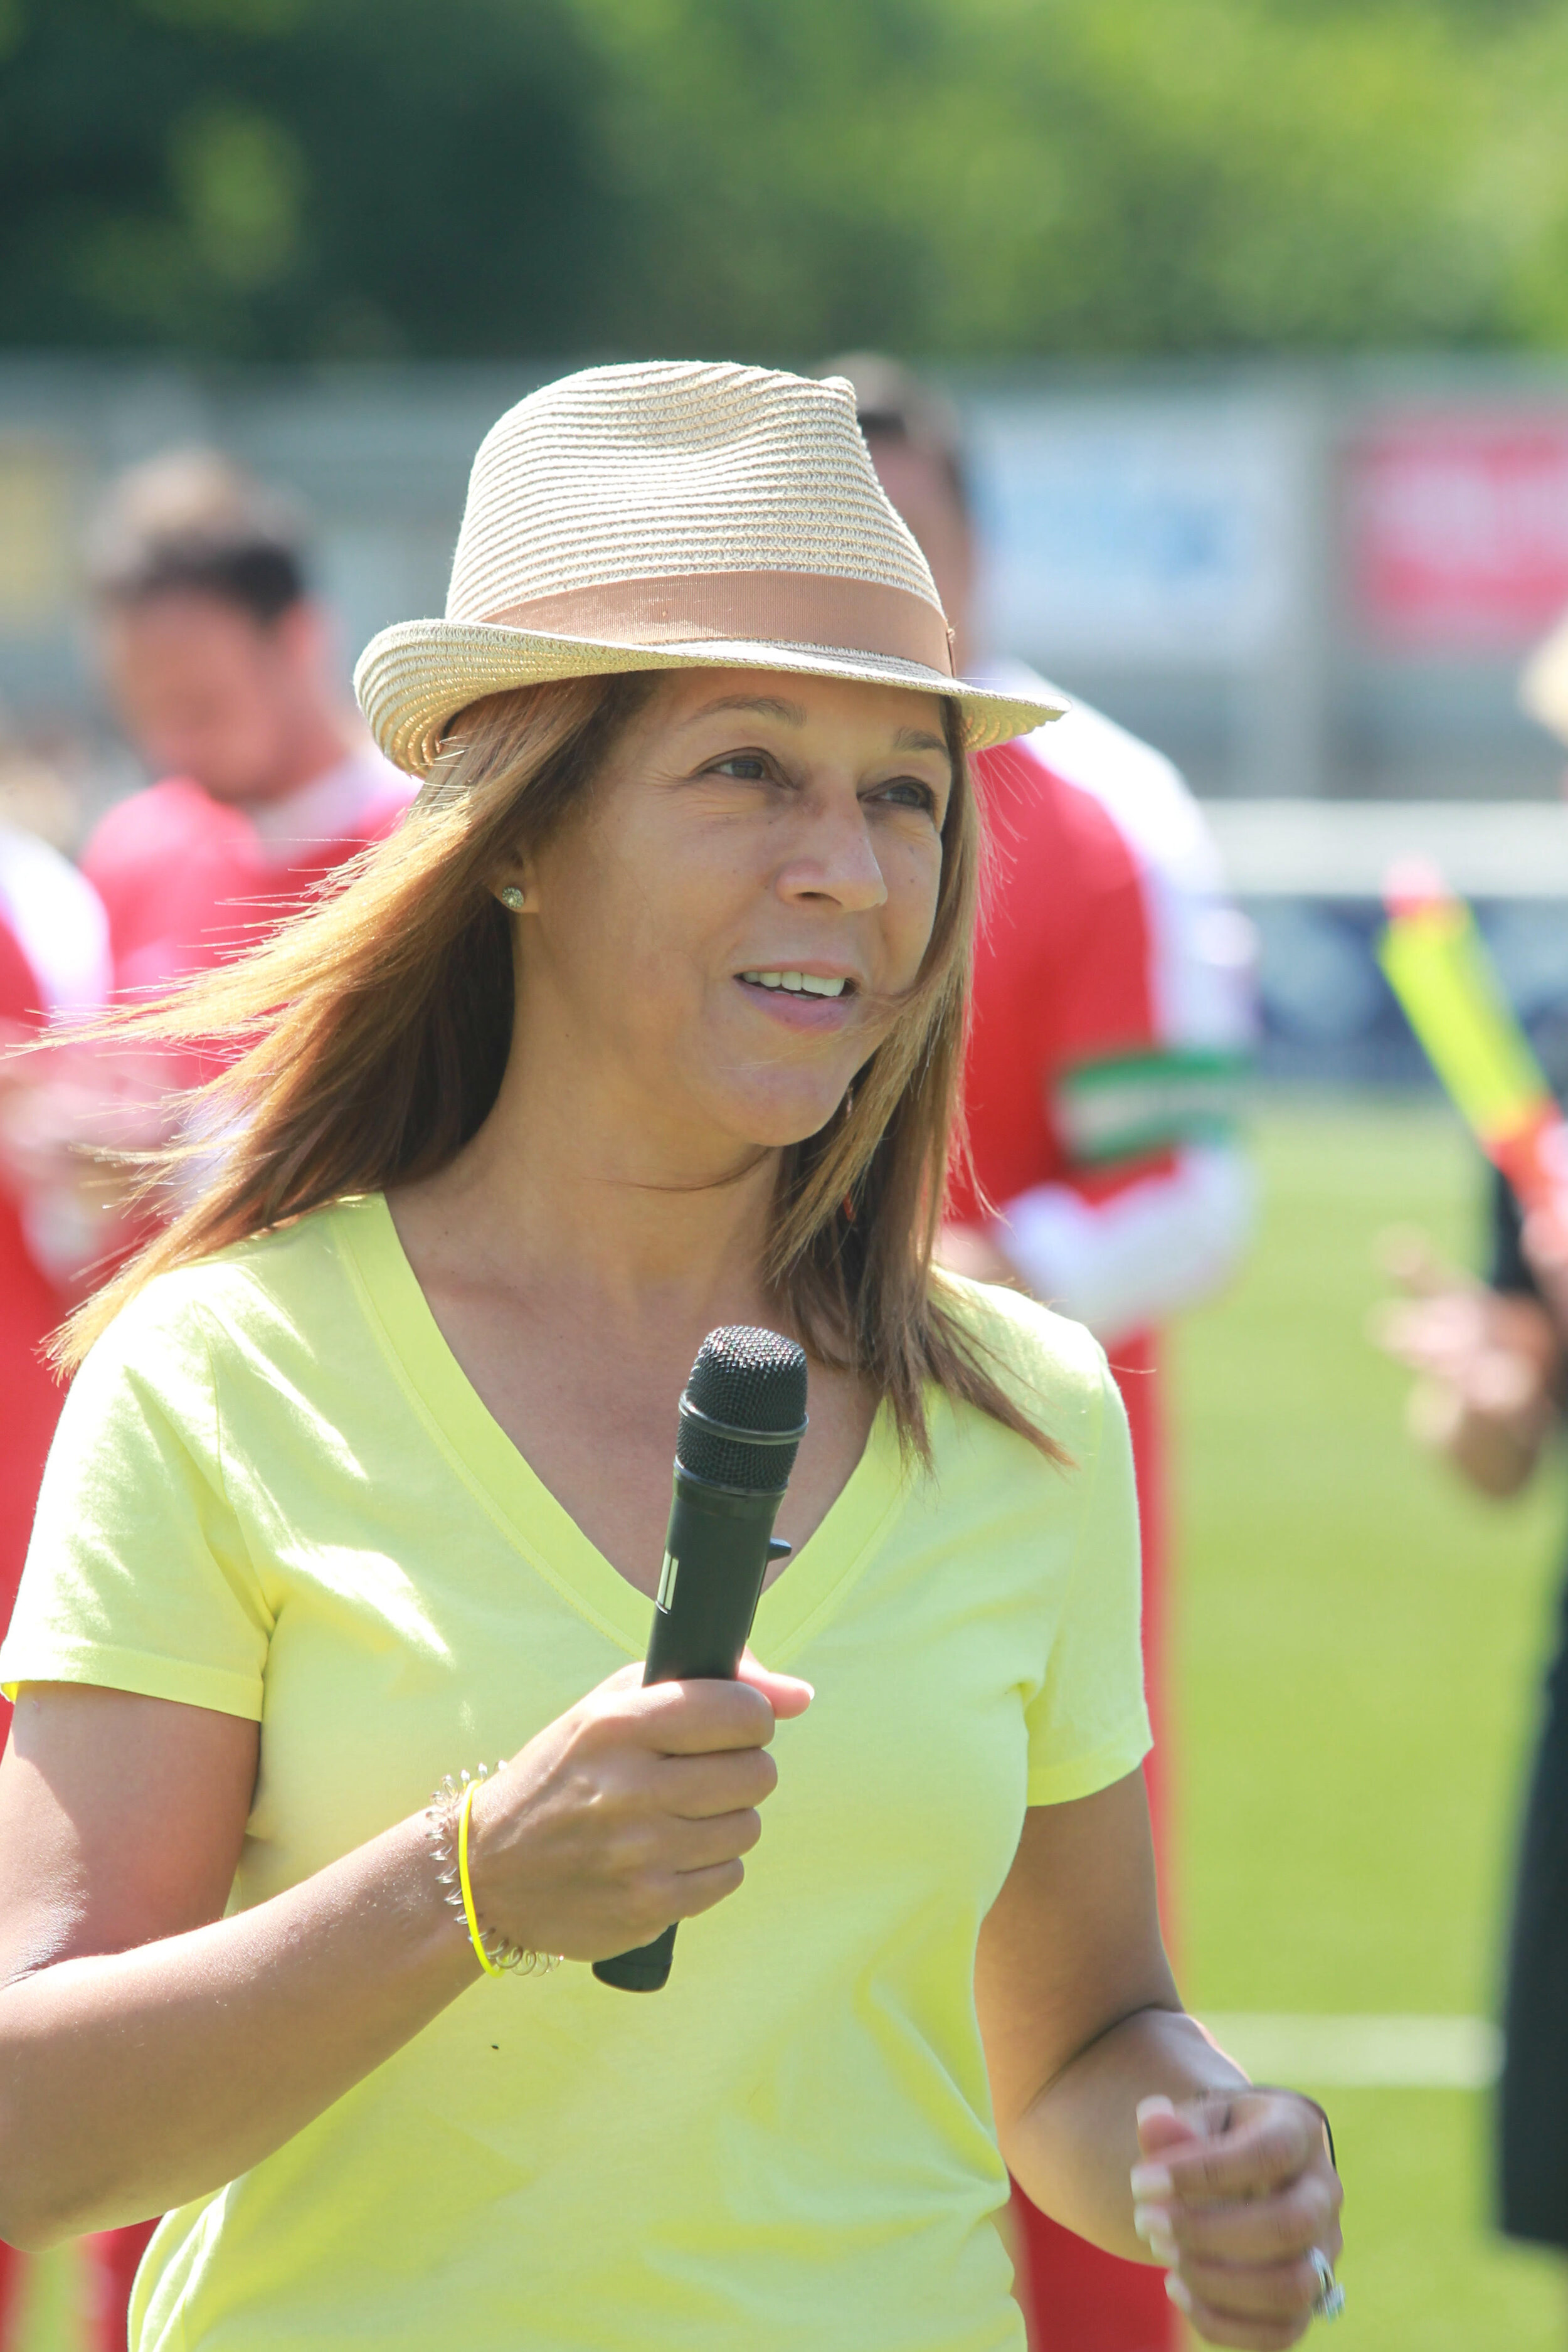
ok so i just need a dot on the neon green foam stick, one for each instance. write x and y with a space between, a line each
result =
1437 966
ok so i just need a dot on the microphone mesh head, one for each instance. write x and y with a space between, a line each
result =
748 1379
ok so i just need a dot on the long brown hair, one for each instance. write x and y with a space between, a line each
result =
366 1039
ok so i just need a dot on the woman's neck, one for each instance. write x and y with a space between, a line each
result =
573 1256
569 1202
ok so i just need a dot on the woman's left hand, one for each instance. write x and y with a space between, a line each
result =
1233 2194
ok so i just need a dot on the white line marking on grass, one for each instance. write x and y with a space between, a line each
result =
1363 2053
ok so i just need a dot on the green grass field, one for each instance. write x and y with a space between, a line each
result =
1359 1642
1359 1646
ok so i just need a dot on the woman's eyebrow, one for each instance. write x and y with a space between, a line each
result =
793 714
916 738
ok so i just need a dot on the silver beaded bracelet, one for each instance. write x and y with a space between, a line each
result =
446 1825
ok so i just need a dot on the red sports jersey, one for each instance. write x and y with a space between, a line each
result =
186 880
30 1306
1062 988
1061 977
30 1397
1100 1057
53 961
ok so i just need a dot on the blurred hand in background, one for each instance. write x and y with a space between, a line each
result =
1487 1363
69 1113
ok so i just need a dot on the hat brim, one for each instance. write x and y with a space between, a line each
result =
412 680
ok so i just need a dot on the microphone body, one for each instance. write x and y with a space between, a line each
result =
716 1554
732 1470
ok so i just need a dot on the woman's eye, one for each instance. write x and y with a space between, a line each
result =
908 791
746 767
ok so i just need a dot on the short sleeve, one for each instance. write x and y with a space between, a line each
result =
138 1577
1088 1724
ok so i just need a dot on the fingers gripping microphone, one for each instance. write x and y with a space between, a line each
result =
741 1420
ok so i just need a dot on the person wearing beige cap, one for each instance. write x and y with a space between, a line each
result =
648 1020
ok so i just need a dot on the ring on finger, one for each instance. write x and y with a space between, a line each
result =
1330 2299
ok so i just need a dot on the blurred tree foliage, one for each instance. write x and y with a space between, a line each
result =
322 178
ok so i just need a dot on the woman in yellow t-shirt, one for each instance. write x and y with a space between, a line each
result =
648 1020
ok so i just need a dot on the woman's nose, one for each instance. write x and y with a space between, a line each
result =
836 860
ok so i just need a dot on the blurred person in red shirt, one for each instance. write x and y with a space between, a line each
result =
1112 1017
220 665
54 965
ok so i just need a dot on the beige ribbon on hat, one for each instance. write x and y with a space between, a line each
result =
783 608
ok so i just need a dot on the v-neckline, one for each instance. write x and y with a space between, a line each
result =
505 1485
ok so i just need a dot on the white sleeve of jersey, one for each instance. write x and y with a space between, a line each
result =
59 923
63 931
1157 1246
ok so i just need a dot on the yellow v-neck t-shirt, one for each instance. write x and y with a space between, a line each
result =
274 1492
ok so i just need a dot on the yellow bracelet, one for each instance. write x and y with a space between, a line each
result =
447 1827
478 1941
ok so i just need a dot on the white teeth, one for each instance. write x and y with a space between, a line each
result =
799 983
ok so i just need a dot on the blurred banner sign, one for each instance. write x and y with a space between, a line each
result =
37 532
1459 529
1121 533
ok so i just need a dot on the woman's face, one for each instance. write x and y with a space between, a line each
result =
721 936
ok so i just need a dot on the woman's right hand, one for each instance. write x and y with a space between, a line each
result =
178 2047
632 1810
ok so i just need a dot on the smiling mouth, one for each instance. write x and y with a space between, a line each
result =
799 983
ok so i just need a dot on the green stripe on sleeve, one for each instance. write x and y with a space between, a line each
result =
1131 1105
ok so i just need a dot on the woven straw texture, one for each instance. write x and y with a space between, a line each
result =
623 472
654 472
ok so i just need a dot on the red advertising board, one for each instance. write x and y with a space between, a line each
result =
1459 529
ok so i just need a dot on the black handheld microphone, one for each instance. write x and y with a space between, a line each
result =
741 1420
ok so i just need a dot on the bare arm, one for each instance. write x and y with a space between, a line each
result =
1082 2025
1079 2012
151 2050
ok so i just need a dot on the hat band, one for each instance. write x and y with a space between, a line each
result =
784 608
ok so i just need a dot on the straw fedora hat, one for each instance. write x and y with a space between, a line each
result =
673 516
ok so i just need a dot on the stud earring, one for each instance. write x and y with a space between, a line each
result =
511 896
